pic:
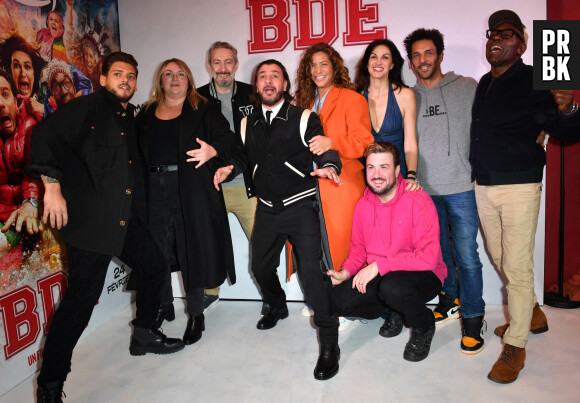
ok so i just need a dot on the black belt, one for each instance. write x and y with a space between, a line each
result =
163 168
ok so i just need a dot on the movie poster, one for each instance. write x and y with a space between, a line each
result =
51 51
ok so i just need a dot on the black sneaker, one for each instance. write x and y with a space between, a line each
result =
209 301
393 325
472 329
446 309
418 346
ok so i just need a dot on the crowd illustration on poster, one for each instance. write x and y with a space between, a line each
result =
50 53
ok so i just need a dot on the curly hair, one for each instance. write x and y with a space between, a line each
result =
17 43
305 87
362 76
422 33
193 97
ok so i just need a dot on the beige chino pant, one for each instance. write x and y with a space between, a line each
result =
244 209
509 217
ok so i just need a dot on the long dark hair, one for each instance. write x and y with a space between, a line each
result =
362 77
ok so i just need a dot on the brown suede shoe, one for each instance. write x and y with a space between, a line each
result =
539 323
509 364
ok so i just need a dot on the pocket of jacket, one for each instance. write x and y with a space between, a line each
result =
294 169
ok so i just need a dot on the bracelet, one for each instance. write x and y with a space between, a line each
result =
573 109
411 175
33 201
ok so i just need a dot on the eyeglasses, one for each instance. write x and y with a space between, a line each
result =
503 33
57 86
169 75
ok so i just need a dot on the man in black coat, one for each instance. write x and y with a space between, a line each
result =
507 165
276 137
88 159
234 99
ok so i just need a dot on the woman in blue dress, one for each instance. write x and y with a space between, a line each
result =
392 106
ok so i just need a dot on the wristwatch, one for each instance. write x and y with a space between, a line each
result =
32 200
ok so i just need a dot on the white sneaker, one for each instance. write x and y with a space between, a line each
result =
307 311
347 324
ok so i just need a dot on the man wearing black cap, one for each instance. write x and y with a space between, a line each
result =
507 165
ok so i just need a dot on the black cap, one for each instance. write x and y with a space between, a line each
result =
505 16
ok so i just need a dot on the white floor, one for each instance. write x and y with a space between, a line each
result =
235 362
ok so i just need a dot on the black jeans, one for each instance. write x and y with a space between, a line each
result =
299 224
168 230
406 292
86 277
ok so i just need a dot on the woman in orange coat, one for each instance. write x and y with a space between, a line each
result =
323 85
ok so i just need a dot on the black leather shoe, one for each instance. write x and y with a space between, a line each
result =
153 341
269 320
165 312
327 364
193 329
50 392
393 325
418 346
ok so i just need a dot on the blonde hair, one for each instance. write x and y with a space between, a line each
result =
193 97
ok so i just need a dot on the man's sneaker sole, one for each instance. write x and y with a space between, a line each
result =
443 319
345 324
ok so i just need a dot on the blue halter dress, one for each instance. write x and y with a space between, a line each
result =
392 128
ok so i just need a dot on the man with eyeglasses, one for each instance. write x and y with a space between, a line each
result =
507 165
233 97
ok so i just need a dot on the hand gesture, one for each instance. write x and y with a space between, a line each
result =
364 276
201 155
564 99
55 209
221 175
319 144
327 173
28 214
412 185
338 277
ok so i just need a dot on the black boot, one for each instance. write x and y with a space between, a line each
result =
393 325
327 364
50 392
195 325
166 312
418 346
148 340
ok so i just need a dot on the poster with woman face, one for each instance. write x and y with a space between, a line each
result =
51 52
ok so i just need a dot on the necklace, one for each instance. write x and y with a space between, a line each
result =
172 106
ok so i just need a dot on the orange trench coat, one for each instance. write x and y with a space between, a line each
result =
345 119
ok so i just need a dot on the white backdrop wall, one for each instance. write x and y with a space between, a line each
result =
154 31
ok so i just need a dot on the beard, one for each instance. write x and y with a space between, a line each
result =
223 84
274 100
119 96
381 191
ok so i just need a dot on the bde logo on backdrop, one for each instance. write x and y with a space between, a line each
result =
557 55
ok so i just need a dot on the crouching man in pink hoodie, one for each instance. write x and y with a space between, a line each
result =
394 265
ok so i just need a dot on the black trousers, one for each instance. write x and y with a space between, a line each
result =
86 278
299 224
406 292
168 230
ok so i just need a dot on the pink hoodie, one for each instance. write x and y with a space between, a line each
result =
402 234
